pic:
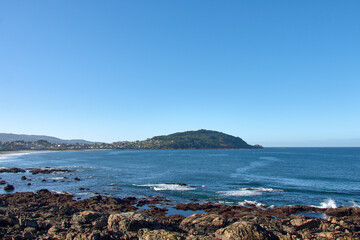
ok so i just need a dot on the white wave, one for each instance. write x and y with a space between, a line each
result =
239 193
250 203
328 203
57 178
168 187
354 203
243 192
12 155
269 158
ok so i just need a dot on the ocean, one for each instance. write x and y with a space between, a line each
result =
323 177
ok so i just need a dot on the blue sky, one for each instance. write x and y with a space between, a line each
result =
277 73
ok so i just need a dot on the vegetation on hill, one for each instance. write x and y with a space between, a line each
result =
201 139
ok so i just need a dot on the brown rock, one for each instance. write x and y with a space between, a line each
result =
300 223
203 223
243 230
130 221
146 234
12 170
88 219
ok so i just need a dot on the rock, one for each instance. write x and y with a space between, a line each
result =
28 223
44 180
9 187
343 211
326 235
2 182
29 184
29 233
77 179
6 221
84 236
130 221
203 223
12 170
243 230
304 223
88 219
48 170
146 234
3 203
23 178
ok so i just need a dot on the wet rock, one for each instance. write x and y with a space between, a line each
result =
203 223
130 221
2 182
29 184
343 211
9 187
23 178
243 230
77 179
49 170
12 170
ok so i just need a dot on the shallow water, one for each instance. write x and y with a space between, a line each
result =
326 177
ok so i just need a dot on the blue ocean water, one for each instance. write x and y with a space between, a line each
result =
271 176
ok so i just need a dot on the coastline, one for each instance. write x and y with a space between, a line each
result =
46 215
50 215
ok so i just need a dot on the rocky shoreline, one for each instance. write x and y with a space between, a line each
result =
47 215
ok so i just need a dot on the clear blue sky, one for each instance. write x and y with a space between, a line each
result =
277 73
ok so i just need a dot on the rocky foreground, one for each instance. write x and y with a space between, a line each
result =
46 215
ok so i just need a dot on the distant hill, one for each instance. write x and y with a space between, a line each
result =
202 139
9 137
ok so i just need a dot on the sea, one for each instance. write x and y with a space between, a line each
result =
269 177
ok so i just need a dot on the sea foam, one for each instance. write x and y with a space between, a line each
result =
328 203
243 192
168 187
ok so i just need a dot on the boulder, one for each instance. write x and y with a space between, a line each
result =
9 187
130 221
300 224
203 223
88 219
243 230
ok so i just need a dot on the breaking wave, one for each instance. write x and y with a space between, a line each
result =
168 187
328 203
243 192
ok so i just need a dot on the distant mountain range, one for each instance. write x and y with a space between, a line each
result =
10 137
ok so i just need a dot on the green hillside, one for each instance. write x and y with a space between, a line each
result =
201 139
